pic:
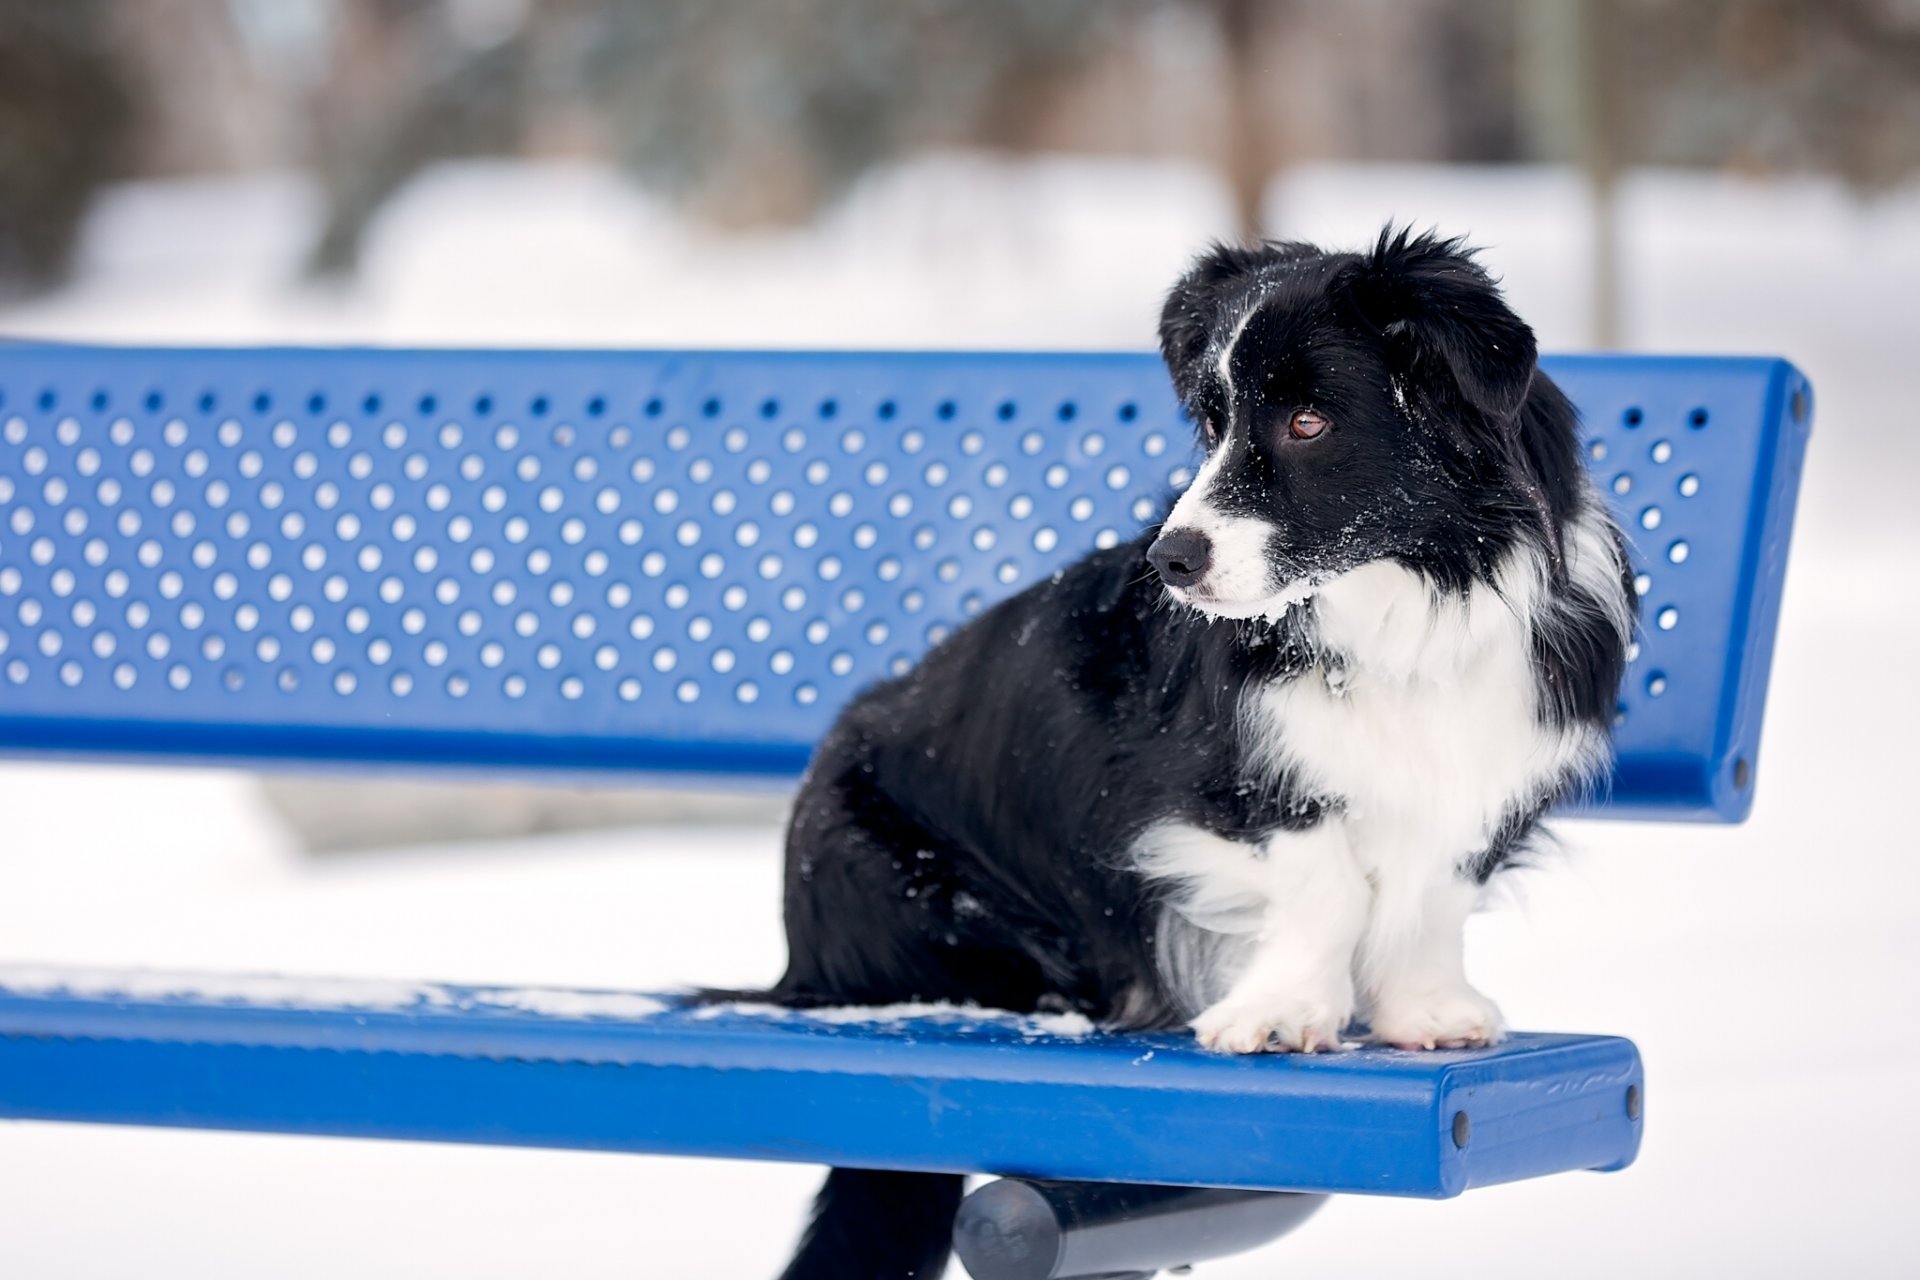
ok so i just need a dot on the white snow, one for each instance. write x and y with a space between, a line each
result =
281 991
1767 971
552 1002
1066 1026
264 990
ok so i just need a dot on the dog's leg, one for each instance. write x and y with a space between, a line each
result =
1296 993
1414 973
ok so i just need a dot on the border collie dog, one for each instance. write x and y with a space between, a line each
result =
1251 774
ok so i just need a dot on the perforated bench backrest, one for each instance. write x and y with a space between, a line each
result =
685 562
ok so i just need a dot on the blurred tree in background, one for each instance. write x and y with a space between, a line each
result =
63 127
1784 85
754 112
749 113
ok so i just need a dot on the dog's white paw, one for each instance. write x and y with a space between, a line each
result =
1239 1025
1456 1018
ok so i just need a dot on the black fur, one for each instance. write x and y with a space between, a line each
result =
868 1223
962 830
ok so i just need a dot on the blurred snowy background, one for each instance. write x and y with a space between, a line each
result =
1672 175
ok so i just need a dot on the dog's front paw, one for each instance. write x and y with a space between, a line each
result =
1284 1026
1456 1018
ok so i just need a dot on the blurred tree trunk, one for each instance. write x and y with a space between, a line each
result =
1599 81
1248 159
64 128
1569 76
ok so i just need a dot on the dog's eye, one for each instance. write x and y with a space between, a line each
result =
1306 424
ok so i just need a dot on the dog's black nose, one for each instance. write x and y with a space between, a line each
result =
1181 556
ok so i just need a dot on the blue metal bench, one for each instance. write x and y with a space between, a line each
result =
681 565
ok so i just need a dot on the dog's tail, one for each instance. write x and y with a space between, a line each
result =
867 1224
870 1224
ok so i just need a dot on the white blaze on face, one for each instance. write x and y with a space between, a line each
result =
1226 349
1239 582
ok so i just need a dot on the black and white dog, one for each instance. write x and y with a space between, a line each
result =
1249 775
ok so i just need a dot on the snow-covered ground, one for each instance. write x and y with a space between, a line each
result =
1763 969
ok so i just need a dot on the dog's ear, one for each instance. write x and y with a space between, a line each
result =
1192 309
1445 316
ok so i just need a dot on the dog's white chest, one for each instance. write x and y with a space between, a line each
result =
1451 758
1428 727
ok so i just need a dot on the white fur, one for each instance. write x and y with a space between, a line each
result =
1240 582
1594 568
1226 350
1419 725
1417 993
1285 921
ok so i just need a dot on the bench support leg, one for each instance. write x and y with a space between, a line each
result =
1028 1229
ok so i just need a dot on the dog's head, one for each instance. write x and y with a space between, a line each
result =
1354 407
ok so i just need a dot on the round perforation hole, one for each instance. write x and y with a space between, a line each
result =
1656 684
1667 619
1678 551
